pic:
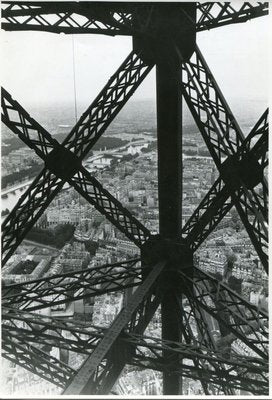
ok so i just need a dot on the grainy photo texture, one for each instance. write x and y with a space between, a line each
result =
134 198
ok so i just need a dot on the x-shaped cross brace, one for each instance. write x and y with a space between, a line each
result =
64 160
217 202
217 133
79 142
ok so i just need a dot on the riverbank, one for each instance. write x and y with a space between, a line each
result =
11 189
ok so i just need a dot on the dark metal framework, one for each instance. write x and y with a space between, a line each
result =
166 273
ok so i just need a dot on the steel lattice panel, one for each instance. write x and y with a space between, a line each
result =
206 295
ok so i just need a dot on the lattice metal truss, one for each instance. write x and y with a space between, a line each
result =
166 271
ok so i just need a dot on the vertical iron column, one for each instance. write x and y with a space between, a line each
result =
169 124
169 27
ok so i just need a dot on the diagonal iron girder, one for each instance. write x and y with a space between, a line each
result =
44 142
28 209
217 202
66 18
109 370
249 210
82 338
185 327
188 337
224 138
53 332
36 361
241 315
204 340
37 138
216 14
203 321
246 198
79 142
135 316
213 377
114 19
234 305
64 288
211 210
88 374
201 366
251 378
211 112
155 346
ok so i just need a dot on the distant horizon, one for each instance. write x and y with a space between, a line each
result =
52 114
85 104
37 67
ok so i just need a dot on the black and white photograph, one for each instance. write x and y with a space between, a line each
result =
134 199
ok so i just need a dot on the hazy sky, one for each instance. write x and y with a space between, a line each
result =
37 67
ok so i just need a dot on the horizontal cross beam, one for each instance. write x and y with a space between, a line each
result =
65 288
84 376
114 19
36 361
66 17
32 328
242 318
202 339
217 14
210 377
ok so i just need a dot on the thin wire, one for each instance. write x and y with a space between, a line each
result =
74 76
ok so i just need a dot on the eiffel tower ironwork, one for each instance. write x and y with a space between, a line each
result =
164 35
